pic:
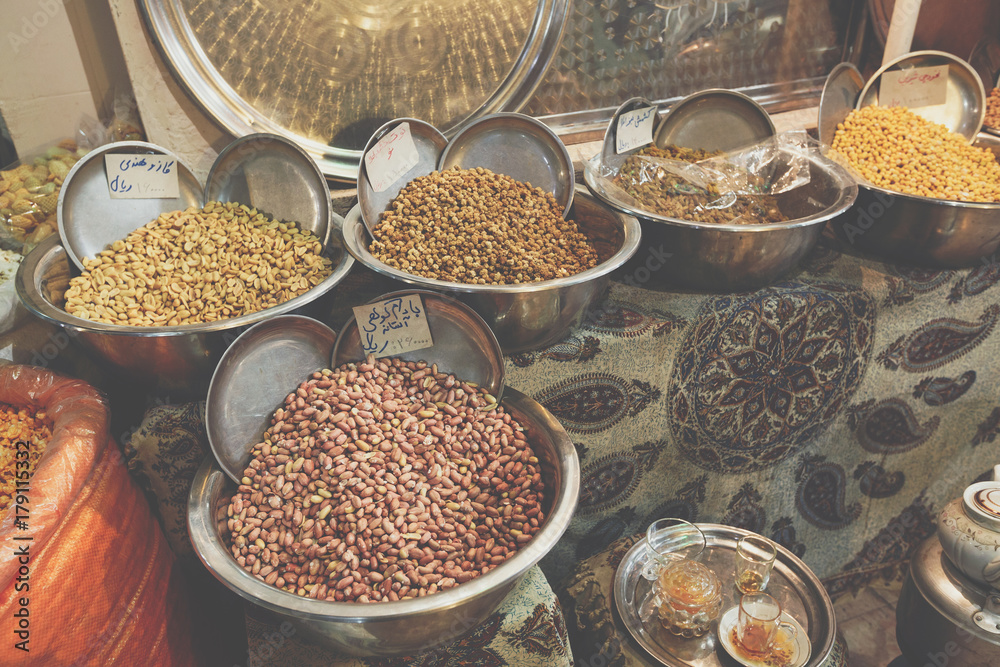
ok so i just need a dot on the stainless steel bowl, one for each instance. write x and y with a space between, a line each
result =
408 626
175 360
921 230
530 315
729 258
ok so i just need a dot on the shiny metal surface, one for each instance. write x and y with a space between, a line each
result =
89 219
275 176
792 582
408 626
429 143
609 146
327 73
256 373
179 360
965 106
517 146
714 120
532 315
463 343
937 614
740 257
921 230
840 96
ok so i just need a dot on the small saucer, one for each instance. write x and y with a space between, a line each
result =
800 644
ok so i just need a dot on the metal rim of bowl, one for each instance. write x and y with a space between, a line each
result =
630 244
220 561
952 60
985 205
842 204
41 307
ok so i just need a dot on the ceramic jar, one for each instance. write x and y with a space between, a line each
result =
969 531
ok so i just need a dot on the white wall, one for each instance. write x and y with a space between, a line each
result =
44 89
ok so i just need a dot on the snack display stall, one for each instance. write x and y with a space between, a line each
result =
612 333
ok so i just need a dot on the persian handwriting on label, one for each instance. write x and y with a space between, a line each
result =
635 129
915 87
393 155
393 326
141 176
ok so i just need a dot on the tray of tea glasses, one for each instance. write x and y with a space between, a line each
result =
792 583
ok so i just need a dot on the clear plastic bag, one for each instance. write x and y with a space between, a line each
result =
728 188
29 191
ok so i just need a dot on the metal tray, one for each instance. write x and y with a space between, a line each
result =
792 583
327 74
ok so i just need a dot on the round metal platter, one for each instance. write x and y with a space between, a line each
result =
965 105
266 363
89 219
327 74
275 176
792 583
517 146
714 120
429 143
608 149
463 343
840 95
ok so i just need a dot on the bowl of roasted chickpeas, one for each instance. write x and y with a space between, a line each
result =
927 196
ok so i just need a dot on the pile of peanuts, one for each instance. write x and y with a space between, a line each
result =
896 149
992 118
476 227
198 265
665 193
384 480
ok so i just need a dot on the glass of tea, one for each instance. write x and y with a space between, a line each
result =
756 632
688 597
755 557
668 541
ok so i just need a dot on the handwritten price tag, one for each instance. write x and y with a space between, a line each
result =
394 155
141 176
635 129
393 326
915 87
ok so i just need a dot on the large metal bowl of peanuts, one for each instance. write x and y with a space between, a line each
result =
536 310
386 507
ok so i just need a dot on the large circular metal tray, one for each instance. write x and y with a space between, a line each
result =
792 582
326 75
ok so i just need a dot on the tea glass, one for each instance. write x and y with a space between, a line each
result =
755 557
686 594
758 624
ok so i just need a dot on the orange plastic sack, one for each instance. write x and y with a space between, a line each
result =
101 587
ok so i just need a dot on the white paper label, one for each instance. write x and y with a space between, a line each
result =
141 176
393 326
393 155
914 88
635 129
